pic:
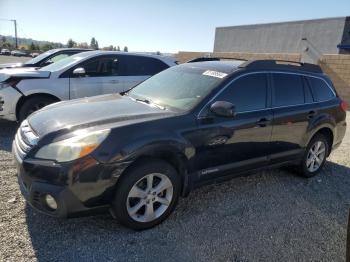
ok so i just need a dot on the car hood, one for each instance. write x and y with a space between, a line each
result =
107 110
11 65
25 72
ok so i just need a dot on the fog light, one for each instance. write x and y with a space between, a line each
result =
50 202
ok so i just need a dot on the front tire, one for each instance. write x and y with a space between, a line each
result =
315 156
146 194
33 104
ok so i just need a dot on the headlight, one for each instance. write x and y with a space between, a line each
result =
3 85
73 148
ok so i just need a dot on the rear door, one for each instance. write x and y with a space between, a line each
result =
102 77
136 69
293 109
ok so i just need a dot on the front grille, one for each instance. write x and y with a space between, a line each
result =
25 139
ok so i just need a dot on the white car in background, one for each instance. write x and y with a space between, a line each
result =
5 52
23 91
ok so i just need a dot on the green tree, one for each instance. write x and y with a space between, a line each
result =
94 43
46 47
158 53
7 45
3 42
32 46
83 45
126 49
71 43
118 48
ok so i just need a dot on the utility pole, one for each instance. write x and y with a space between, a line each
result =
15 23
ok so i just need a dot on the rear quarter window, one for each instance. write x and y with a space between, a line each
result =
142 66
320 89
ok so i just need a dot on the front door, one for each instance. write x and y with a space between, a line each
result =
101 77
241 142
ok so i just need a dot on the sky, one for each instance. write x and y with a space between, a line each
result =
152 25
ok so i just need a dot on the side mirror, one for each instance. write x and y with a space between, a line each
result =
79 71
223 109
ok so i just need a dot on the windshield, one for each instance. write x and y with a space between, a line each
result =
63 63
180 87
40 57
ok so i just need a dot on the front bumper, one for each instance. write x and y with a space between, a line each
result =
79 188
9 97
68 205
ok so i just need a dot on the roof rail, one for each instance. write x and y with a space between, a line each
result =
203 59
281 64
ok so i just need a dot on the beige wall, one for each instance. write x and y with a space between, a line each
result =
336 66
338 69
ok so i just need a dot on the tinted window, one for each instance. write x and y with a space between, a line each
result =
138 66
288 90
106 66
308 95
247 93
320 89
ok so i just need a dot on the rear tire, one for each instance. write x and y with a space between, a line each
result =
315 156
146 194
33 104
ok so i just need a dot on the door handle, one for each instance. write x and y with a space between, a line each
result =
113 81
263 122
311 114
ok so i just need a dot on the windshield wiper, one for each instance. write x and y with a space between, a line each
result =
150 102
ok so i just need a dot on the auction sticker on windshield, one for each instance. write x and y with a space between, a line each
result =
214 74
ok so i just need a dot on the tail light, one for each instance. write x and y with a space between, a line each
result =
343 106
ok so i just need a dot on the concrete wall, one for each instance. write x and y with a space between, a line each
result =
323 34
336 66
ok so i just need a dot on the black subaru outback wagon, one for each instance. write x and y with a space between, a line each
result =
135 153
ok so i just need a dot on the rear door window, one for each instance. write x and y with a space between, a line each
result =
141 66
247 93
288 89
320 90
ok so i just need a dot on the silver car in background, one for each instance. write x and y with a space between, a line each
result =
23 91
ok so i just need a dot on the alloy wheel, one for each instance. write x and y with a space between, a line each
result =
315 156
149 197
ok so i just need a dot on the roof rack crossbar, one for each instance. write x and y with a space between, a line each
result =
276 64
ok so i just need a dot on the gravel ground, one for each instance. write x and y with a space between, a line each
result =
270 216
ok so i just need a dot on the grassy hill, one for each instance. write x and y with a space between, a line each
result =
28 41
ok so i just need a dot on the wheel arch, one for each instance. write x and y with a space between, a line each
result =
172 156
23 99
326 131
